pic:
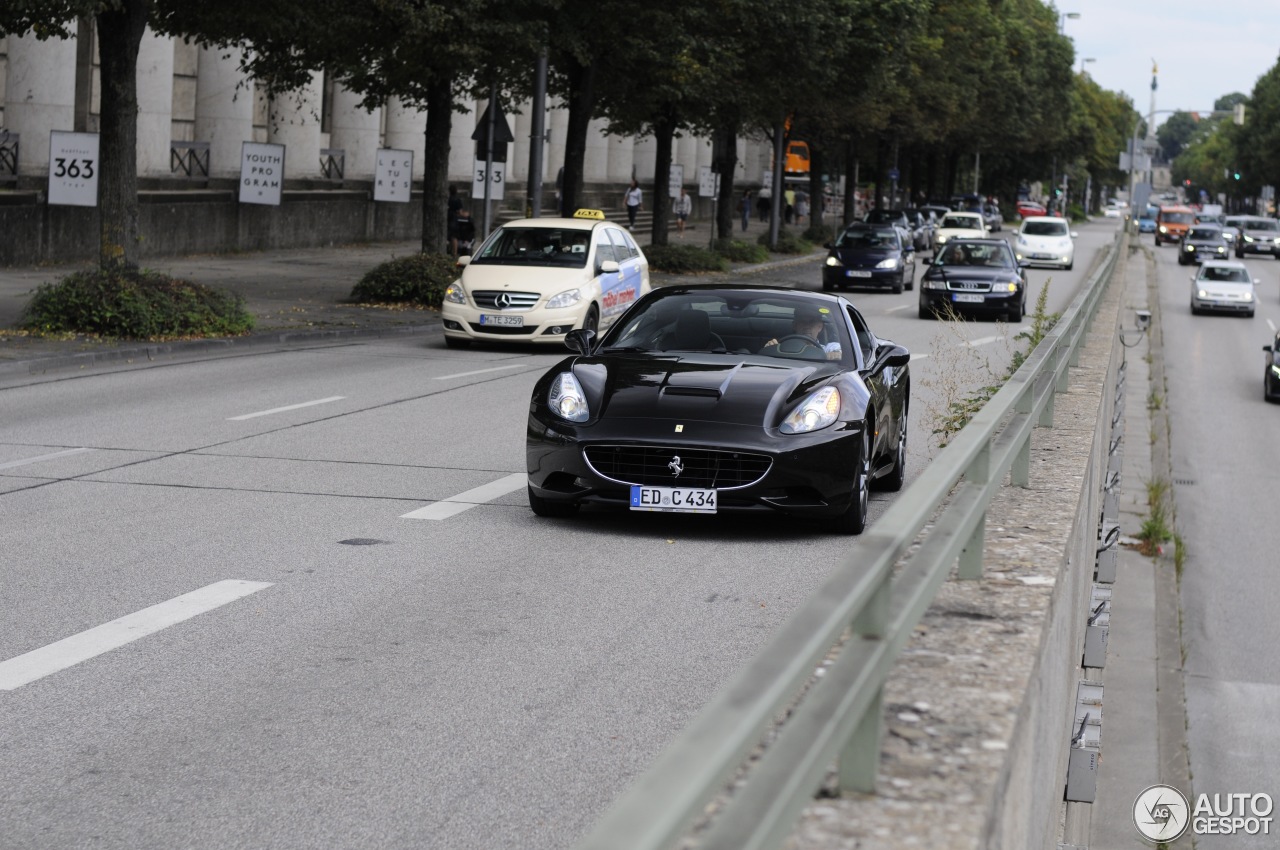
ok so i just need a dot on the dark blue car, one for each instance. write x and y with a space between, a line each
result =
870 255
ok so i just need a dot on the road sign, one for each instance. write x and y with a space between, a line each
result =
502 136
708 182
676 181
497 184
73 169
894 174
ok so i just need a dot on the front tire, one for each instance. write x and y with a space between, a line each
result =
548 508
854 518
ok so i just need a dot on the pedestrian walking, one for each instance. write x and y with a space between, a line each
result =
451 220
789 197
632 200
745 207
682 207
764 202
802 206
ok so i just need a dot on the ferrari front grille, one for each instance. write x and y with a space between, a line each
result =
656 466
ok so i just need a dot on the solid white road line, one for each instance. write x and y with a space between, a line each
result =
468 500
11 464
899 307
984 340
67 652
1270 324
479 372
283 409
915 357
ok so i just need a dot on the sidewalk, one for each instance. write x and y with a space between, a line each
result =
297 296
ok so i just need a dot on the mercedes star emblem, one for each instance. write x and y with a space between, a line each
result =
503 301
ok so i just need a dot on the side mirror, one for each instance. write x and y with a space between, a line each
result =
581 340
893 356
609 267
464 260
1266 348
1024 263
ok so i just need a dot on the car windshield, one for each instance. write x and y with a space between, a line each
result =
884 217
1261 224
976 254
770 324
1177 217
535 246
1207 234
865 237
1225 274
964 222
1044 228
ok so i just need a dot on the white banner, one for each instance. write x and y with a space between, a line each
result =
73 169
261 173
497 184
708 182
677 180
393 176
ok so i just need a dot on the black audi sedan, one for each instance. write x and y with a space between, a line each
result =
705 399
1271 378
870 255
979 276
1202 242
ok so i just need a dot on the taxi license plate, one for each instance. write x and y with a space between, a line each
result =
967 298
689 500
502 321
854 273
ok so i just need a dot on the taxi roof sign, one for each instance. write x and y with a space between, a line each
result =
598 215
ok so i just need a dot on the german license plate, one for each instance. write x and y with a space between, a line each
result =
967 298
855 273
1042 256
689 500
502 321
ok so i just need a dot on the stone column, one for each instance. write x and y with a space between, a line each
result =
558 124
293 120
621 158
407 131
224 110
355 131
644 154
40 95
595 164
518 151
155 104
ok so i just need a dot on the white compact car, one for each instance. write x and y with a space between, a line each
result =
536 279
1045 240
959 225
1223 285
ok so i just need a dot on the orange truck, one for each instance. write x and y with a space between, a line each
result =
1172 223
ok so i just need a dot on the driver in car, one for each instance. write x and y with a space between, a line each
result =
804 339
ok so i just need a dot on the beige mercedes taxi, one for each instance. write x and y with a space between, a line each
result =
536 279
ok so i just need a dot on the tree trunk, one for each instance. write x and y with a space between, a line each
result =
119 37
728 208
582 99
664 130
435 167
850 182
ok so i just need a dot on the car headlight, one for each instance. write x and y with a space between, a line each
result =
891 263
1222 249
565 299
933 283
834 262
566 398
1248 238
1275 369
1200 293
1248 296
817 411
942 238
1005 287
1189 248
454 293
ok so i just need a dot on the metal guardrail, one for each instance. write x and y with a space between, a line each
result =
838 717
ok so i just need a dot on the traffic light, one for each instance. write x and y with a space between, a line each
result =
1186 183
1236 175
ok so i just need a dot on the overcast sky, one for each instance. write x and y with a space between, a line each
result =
1204 49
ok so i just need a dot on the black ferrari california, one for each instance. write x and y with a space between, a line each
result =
707 398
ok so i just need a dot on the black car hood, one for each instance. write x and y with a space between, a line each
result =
864 258
971 273
699 387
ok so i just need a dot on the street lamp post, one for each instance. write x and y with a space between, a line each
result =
1062 21
1083 60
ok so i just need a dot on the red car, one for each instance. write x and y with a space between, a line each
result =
1030 208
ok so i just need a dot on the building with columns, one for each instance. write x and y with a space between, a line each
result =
196 108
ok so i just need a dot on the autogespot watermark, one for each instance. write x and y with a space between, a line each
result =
1162 813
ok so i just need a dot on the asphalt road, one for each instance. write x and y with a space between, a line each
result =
1226 464
348 676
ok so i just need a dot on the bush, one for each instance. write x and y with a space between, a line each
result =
134 305
788 242
820 234
415 278
737 251
684 259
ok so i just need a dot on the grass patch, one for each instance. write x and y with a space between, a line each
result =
1155 528
134 305
684 259
737 251
789 242
418 279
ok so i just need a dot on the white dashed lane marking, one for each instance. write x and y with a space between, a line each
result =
283 409
13 463
468 500
68 652
983 340
479 372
